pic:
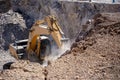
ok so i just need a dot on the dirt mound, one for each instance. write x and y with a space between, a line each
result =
94 58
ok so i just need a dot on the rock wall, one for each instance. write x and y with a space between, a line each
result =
12 27
5 5
71 15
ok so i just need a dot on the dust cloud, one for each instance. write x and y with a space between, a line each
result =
56 53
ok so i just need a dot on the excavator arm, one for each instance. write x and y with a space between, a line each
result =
52 29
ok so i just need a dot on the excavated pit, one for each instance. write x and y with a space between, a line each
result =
85 60
96 56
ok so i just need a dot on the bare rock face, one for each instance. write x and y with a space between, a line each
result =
71 15
5 5
24 70
12 27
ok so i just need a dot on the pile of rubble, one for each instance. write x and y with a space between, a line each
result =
95 57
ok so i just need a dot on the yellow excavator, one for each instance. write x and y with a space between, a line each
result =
43 35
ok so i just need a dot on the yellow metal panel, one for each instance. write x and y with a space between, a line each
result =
33 43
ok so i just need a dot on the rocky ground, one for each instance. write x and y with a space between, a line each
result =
94 57
24 70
